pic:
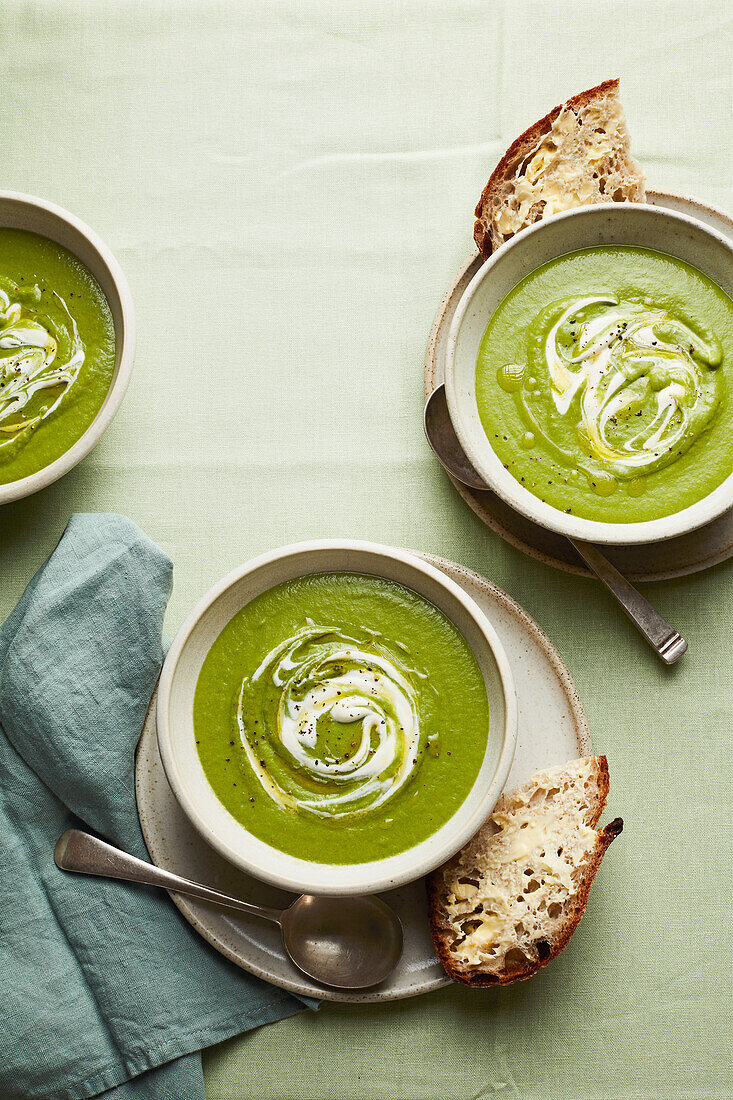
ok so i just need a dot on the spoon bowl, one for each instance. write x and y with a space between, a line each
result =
346 943
445 444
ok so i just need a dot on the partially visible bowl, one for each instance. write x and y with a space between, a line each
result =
19 211
606 224
183 767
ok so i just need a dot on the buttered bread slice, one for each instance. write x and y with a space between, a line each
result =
510 900
577 155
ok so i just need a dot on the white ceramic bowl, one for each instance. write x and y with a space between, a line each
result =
606 224
176 734
18 211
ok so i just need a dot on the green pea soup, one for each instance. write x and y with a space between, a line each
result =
603 384
341 717
57 352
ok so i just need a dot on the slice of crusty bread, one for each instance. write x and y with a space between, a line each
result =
510 900
577 155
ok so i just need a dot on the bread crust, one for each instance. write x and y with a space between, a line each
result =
440 929
519 149
604 785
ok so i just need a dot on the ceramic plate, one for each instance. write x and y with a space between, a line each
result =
673 557
552 729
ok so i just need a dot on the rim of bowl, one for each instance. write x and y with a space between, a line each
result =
125 333
507 487
337 879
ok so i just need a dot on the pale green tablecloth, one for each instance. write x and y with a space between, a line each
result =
289 188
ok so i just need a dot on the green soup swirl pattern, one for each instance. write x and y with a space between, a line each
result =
646 383
41 354
337 712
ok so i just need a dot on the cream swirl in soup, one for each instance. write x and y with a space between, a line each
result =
640 373
41 354
341 722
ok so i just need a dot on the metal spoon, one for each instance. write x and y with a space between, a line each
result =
347 943
664 639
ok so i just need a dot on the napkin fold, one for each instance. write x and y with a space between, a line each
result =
103 985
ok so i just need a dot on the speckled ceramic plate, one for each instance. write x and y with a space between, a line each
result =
552 729
675 557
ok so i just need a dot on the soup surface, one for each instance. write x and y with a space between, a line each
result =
602 383
57 352
341 717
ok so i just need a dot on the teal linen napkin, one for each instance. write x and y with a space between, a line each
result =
104 986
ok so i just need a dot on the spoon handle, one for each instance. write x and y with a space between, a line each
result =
662 637
78 851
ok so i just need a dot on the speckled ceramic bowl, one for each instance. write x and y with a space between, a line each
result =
607 224
18 211
176 738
